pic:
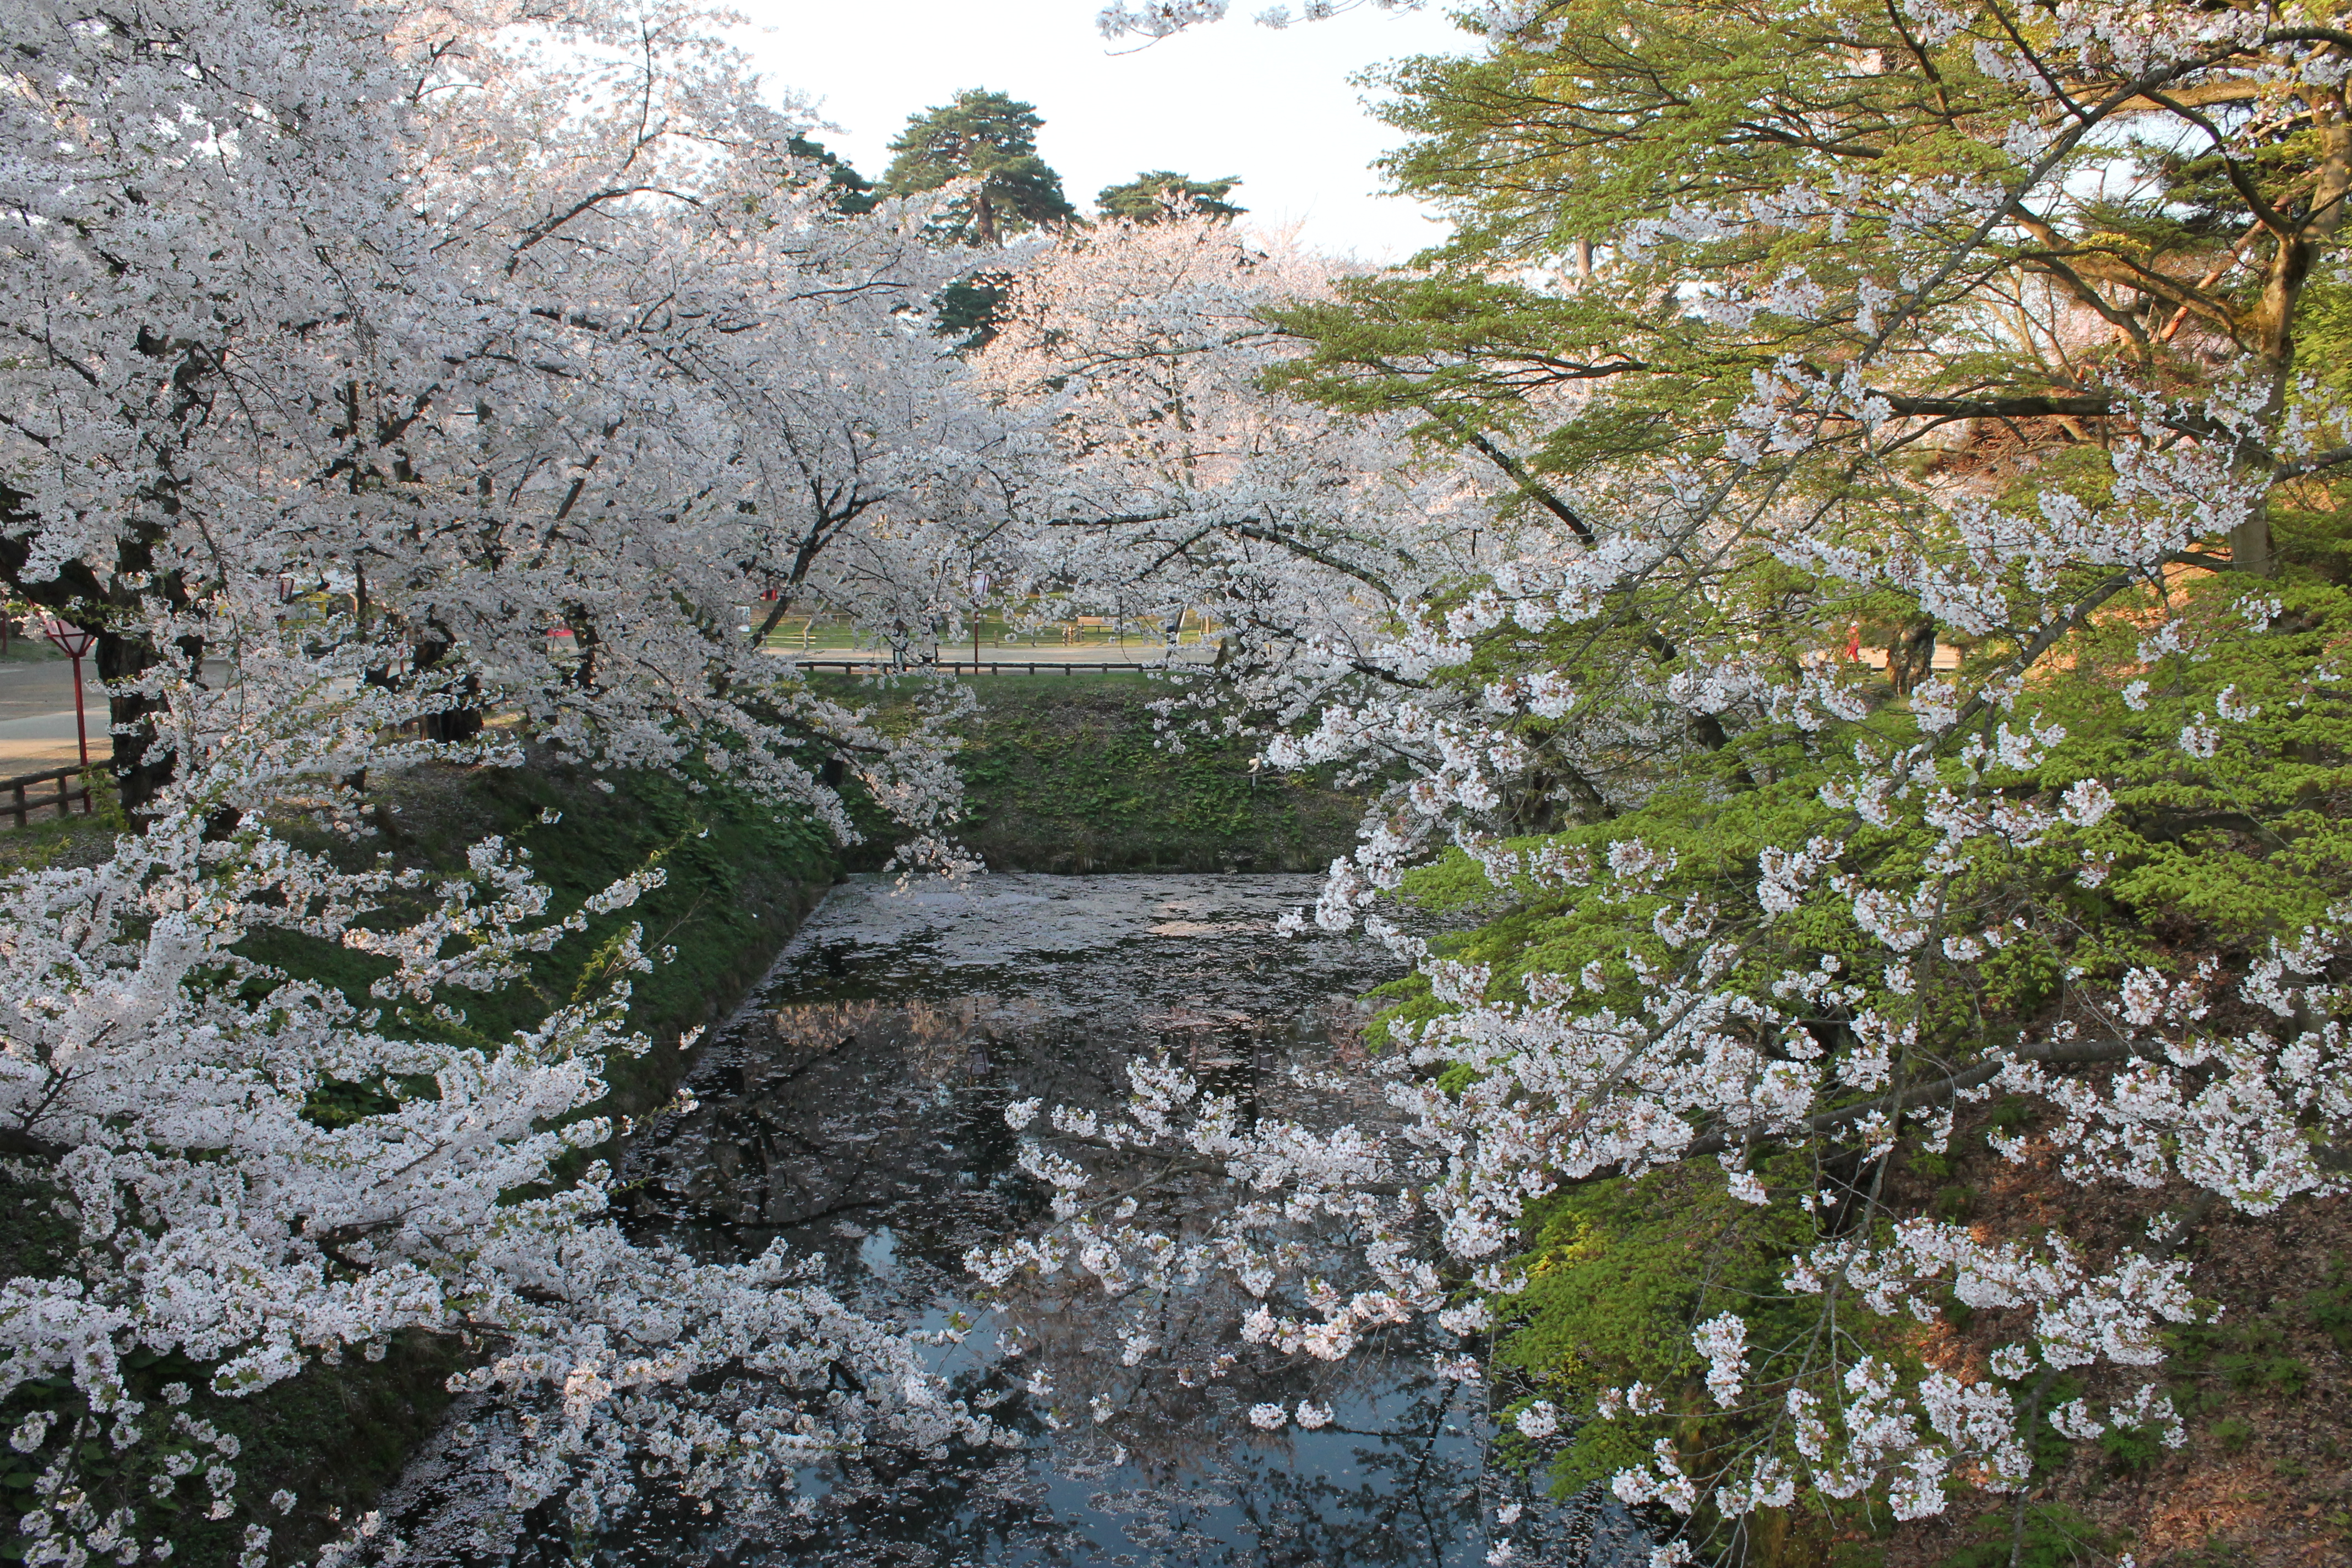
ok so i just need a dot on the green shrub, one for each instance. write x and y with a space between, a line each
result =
2331 1305
2132 1447
2053 1537
2255 1362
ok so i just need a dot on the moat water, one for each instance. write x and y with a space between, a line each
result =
856 1108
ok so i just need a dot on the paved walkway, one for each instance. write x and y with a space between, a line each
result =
1143 656
47 741
37 715
31 686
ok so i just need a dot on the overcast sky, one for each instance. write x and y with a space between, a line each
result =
1274 108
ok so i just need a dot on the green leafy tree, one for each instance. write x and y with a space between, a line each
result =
1566 154
1162 194
989 138
1803 330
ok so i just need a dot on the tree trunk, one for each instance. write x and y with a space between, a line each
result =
2250 544
1911 657
453 725
139 774
2283 285
77 594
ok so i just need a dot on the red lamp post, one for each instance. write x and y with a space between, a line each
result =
73 642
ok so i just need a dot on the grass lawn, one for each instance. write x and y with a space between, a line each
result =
1067 773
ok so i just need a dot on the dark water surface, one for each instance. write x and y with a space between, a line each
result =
856 1108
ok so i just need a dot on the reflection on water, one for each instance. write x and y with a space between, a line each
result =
856 1109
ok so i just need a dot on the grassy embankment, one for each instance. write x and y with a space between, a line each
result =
1062 774
1065 772
739 877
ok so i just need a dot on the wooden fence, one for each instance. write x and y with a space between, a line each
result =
72 785
983 666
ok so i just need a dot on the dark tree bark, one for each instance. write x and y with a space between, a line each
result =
1911 657
76 594
453 725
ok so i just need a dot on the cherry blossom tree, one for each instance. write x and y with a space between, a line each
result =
1793 326
1181 485
493 350
166 1084
377 372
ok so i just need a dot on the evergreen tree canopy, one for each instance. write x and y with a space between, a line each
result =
984 136
968 309
846 189
1163 193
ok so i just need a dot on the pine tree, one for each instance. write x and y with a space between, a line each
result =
1163 193
846 190
988 137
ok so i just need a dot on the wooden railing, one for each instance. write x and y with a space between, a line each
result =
981 667
72 785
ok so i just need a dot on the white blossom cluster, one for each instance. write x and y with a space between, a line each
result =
1178 487
1792 1014
413 366
168 1082
378 369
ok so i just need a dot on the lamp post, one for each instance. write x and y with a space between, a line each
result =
73 642
979 581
